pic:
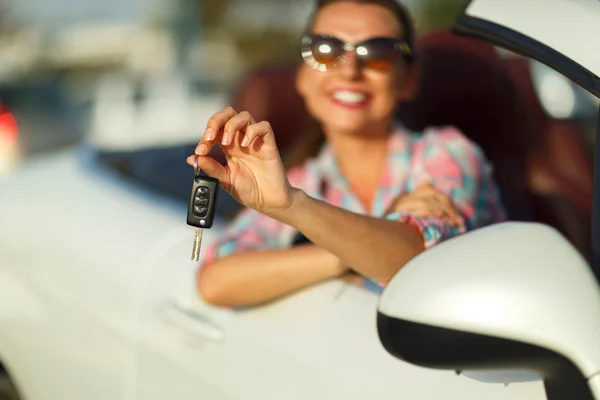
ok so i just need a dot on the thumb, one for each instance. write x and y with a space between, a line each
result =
210 166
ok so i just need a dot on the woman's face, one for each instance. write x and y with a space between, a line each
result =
350 98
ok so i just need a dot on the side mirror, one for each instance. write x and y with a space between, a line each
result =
505 298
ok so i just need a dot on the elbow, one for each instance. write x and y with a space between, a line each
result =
211 289
413 245
384 275
210 296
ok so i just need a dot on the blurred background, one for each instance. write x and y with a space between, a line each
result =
129 74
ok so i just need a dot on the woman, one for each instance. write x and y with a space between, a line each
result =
375 196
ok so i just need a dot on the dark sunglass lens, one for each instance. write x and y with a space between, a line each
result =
378 53
326 50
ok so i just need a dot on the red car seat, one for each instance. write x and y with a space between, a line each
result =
560 167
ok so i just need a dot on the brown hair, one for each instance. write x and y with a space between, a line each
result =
309 144
400 12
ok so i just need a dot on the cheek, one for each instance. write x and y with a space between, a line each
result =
407 84
314 94
386 90
310 81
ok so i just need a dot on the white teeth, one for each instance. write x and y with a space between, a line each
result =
347 96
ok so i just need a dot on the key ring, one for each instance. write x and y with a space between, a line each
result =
196 169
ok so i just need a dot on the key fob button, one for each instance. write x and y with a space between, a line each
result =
203 190
200 211
201 201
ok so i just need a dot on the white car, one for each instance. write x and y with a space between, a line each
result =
98 301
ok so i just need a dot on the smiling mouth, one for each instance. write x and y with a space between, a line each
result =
349 98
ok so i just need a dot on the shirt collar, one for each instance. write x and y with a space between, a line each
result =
399 142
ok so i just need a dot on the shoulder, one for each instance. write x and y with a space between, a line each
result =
446 136
449 140
447 151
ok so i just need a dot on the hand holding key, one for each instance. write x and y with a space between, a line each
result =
254 174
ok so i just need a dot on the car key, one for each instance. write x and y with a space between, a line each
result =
202 206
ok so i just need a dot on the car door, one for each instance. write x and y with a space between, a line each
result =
163 332
187 348
320 343
66 278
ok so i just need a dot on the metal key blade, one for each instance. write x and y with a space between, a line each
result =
197 244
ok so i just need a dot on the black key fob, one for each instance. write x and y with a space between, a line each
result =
203 201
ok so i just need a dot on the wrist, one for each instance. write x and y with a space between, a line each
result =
290 213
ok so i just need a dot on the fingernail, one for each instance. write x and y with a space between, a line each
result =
225 140
245 141
209 134
201 149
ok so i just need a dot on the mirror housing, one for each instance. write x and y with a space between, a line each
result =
512 296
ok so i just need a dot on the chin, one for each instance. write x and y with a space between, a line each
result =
349 128
343 120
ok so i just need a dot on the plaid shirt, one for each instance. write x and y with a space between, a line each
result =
441 156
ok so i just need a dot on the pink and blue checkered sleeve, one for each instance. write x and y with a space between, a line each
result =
251 230
457 167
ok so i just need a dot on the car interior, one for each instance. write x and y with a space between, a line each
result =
541 164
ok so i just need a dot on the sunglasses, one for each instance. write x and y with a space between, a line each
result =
323 52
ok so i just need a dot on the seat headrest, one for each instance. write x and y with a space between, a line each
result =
464 84
269 94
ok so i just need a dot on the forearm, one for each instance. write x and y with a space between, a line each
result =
257 277
374 247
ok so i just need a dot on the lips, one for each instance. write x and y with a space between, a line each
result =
350 98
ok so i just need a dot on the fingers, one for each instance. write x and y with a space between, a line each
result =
257 130
427 201
419 208
447 207
210 166
423 208
214 130
227 125
444 205
238 123
443 201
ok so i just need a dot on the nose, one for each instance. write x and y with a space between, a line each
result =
351 66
